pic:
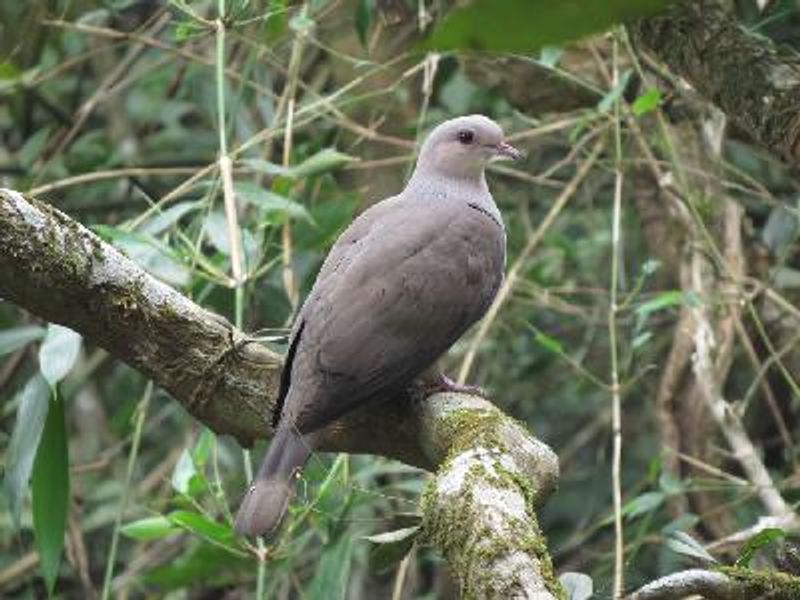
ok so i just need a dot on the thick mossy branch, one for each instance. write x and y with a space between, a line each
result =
480 509
744 75
725 583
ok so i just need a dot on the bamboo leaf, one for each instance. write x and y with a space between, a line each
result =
33 404
58 353
51 492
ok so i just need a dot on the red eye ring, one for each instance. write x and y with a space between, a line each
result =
465 136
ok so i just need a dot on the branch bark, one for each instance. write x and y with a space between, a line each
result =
480 508
757 87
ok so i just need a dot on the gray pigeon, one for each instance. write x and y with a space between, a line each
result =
403 282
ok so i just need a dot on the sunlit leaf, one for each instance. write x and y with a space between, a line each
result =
647 102
300 23
183 473
683 543
755 543
58 353
202 448
150 528
324 161
50 490
389 548
202 526
33 404
550 343
660 302
269 201
578 586
643 503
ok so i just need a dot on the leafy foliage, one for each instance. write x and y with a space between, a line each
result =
112 113
527 26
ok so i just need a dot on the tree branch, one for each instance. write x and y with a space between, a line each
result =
708 584
744 75
479 510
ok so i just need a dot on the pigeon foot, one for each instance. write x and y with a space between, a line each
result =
441 383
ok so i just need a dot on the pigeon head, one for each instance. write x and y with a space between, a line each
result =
462 147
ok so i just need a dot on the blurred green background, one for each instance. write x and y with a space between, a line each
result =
111 111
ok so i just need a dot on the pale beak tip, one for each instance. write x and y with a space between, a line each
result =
507 150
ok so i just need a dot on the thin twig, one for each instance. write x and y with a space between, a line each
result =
616 401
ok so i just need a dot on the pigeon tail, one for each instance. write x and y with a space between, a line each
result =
265 503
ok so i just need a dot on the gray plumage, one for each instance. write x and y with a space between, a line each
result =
403 282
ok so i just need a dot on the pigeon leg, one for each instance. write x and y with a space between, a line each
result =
438 383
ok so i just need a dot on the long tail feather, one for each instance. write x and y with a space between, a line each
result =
264 506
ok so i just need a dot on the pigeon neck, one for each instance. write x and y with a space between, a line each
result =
438 183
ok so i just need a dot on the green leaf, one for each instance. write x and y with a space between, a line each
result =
50 490
578 586
33 147
670 485
276 20
642 504
183 473
550 55
528 25
647 102
9 71
58 353
333 571
389 548
685 521
755 543
549 343
33 404
324 161
167 218
150 528
202 526
641 339
364 10
660 302
202 448
270 202
683 543
301 23
18 337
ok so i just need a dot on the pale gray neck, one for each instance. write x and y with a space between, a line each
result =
429 186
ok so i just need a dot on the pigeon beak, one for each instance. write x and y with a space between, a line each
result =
506 150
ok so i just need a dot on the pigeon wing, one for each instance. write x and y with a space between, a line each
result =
389 302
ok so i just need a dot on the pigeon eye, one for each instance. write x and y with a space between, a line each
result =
465 136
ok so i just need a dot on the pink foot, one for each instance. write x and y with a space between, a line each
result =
441 383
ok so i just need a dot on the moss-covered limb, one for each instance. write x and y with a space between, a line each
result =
479 511
744 75
727 583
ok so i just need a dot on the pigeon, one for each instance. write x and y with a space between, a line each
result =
401 284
